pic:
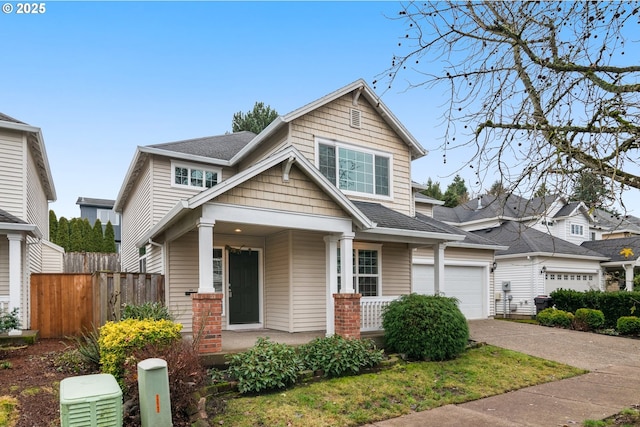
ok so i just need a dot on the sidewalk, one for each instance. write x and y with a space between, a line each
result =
612 385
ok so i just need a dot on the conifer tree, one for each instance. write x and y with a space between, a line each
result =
109 242
62 234
53 226
94 243
76 239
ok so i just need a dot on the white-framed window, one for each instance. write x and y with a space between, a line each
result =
142 260
106 215
354 169
577 229
367 269
187 175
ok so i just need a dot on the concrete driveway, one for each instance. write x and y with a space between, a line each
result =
612 385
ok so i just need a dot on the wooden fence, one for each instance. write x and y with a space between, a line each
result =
67 304
90 262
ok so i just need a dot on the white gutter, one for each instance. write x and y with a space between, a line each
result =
185 156
28 228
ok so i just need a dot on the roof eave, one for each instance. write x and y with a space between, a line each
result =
30 229
185 156
478 246
553 254
174 213
444 237
273 127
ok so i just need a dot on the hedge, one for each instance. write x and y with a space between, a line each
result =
612 304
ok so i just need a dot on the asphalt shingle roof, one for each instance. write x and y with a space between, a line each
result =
88 201
612 248
388 218
488 206
610 222
222 147
522 240
7 218
469 237
5 118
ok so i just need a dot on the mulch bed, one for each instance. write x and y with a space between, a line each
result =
28 373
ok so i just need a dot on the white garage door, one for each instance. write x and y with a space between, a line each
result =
462 282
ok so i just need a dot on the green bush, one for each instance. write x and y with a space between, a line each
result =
338 356
148 310
118 340
628 325
588 319
612 304
9 320
267 365
555 317
425 327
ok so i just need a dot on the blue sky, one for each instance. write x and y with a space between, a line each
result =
100 78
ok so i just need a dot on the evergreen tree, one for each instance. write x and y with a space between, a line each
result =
591 190
541 191
95 242
497 189
433 190
256 120
109 242
456 193
53 226
76 239
62 234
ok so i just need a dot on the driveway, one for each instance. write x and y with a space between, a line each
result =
612 385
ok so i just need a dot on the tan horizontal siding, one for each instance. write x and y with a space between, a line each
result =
268 191
182 274
458 254
396 269
12 173
309 281
266 148
136 219
277 285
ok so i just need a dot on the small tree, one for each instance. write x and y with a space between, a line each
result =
62 234
497 189
53 226
76 239
94 244
255 120
433 190
456 193
109 241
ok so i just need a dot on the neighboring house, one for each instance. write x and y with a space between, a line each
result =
611 226
543 238
264 219
623 258
101 209
26 188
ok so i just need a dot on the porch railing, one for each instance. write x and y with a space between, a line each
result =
371 312
4 303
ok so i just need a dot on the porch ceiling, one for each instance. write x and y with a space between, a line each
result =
224 227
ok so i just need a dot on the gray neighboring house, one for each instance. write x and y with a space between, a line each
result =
624 258
102 209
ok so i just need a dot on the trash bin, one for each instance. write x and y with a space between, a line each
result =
542 302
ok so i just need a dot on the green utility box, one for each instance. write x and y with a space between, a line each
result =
90 401
153 388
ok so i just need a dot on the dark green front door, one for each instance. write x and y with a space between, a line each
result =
244 298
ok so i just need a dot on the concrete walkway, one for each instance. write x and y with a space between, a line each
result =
612 384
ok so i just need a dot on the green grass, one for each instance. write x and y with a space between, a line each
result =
351 401
629 417
8 411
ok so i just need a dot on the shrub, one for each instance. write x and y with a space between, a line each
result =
338 356
628 325
265 366
88 348
555 317
428 327
568 299
588 319
9 320
612 304
186 375
148 310
118 340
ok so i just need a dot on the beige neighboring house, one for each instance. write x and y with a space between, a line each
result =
264 219
26 188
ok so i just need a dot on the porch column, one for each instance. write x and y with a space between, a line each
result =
438 268
346 261
348 315
205 256
15 278
628 277
207 322
331 260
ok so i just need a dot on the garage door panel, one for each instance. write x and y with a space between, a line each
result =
464 283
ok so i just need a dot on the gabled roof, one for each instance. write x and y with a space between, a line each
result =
487 206
616 249
101 203
607 221
9 222
421 198
359 88
222 147
523 240
388 218
36 145
470 239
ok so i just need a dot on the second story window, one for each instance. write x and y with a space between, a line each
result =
106 215
576 229
197 177
355 170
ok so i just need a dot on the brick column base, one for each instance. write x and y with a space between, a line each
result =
207 322
347 315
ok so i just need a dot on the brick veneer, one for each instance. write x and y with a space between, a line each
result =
207 322
347 315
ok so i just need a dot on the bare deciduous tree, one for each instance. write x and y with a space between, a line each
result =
543 91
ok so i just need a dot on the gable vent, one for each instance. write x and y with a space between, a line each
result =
355 118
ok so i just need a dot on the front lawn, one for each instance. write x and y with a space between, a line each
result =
351 401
